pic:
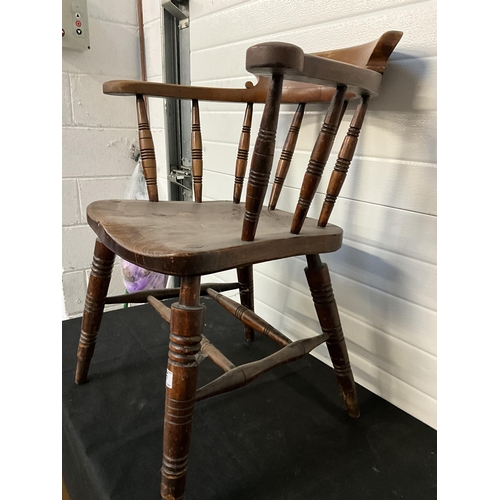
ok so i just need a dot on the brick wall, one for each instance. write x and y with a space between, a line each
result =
99 131
384 277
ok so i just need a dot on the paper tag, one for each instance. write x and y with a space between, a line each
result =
169 379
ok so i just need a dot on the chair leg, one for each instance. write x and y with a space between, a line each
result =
320 285
245 280
186 327
100 276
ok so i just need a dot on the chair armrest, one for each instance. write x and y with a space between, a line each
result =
290 61
372 55
310 77
293 92
252 93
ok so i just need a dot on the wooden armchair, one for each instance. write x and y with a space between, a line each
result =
192 239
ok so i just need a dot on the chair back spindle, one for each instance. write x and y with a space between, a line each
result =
146 146
319 157
262 159
196 152
286 155
242 156
343 162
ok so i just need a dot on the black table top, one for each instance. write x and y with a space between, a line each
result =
284 436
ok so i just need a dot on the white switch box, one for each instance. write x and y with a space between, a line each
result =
75 25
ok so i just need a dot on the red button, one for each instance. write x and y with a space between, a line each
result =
78 23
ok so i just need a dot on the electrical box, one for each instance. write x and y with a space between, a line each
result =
75 25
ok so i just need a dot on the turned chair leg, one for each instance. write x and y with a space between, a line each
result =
186 326
100 276
245 280
320 285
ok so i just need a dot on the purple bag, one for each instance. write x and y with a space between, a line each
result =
137 278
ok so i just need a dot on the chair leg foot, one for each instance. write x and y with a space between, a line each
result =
186 327
84 356
318 278
245 280
100 276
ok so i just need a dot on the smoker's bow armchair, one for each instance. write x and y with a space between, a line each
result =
192 239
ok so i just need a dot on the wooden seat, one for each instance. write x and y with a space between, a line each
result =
192 239
180 238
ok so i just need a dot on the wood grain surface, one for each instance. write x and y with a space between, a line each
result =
185 238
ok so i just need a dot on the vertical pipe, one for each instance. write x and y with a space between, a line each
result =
142 49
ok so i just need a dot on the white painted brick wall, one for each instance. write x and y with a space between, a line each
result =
384 277
97 134
98 131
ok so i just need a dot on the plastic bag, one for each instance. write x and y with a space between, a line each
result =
136 189
136 278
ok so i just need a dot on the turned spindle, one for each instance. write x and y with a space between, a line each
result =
286 155
319 157
245 280
249 318
242 155
196 152
262 159
147 148
343 162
